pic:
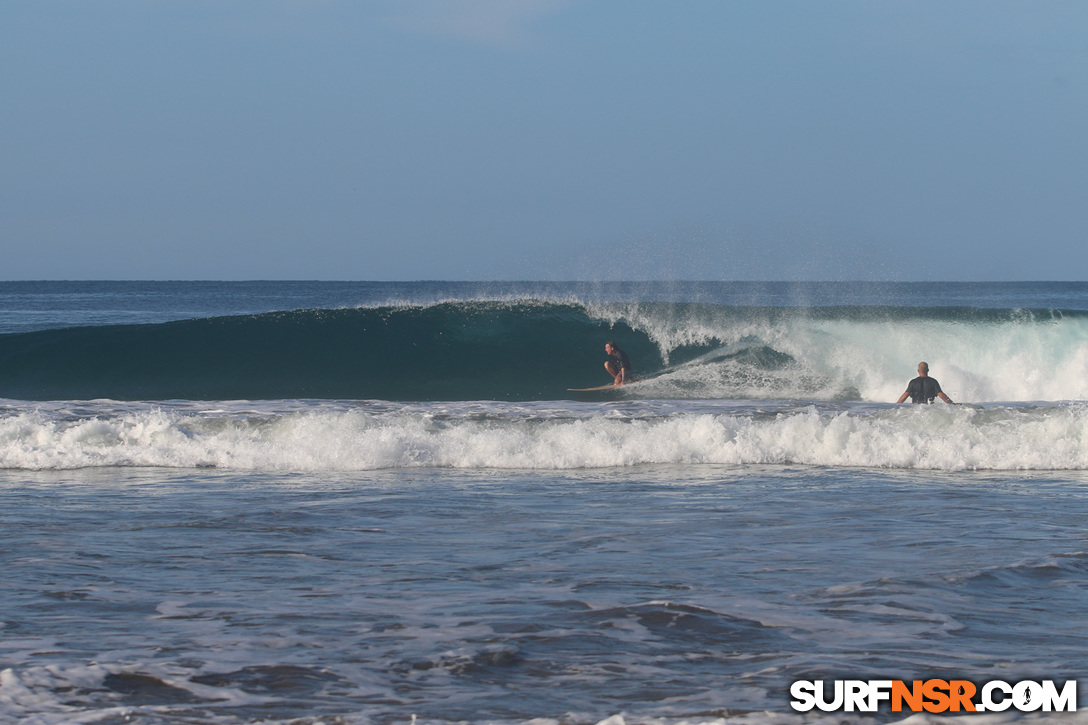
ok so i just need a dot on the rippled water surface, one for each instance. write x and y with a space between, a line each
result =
671 592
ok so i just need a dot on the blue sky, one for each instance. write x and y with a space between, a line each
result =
543 139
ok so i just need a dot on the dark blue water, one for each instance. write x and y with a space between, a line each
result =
370 502
31 305
465 341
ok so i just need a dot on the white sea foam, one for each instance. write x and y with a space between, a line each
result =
1025 357
385 436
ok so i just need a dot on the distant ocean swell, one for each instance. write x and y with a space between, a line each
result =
535 350
328 437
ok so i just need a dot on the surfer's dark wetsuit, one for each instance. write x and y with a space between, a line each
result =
620 360
923 389
618 365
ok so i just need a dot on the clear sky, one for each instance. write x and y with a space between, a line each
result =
544 139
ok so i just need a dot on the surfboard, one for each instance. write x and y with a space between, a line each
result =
611 386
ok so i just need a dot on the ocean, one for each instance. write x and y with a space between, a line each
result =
318 502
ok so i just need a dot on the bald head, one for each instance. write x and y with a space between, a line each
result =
923 368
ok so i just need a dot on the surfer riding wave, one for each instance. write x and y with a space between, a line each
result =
618 364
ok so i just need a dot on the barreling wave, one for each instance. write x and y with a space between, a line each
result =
318 436
536 350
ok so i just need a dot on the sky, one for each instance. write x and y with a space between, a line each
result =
544 139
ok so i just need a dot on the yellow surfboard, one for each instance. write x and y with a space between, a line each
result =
611 386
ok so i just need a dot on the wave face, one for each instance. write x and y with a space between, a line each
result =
443 351
344 436
536 350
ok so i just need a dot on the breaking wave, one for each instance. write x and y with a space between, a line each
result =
535 350
347 436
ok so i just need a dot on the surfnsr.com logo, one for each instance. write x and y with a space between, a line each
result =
934 696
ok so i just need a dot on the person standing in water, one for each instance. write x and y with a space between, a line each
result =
923 389
618 365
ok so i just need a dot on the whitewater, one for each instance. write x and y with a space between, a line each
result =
361 436
308 502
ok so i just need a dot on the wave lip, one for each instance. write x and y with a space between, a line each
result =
352 436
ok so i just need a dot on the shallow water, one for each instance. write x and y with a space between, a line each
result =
661 591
